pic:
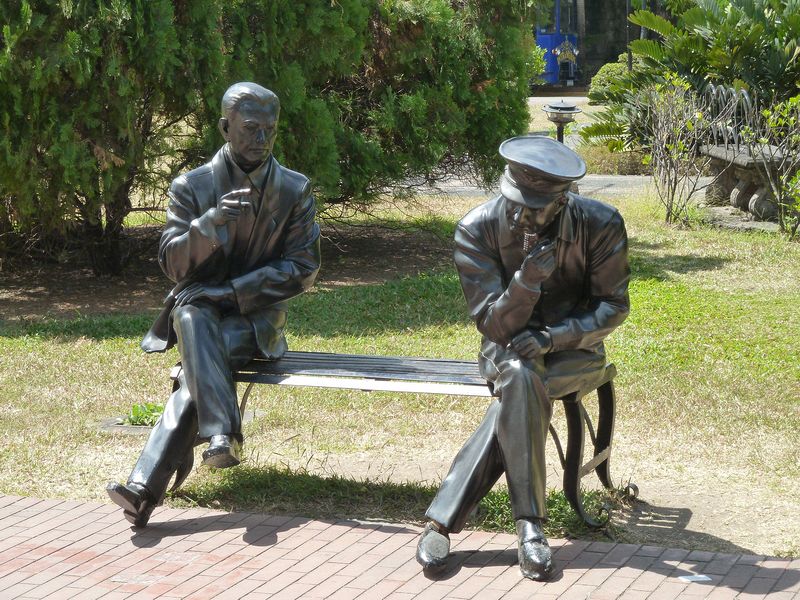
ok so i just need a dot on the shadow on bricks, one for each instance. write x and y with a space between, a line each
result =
667 526
256 534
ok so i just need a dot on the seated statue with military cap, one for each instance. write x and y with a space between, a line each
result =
240 239
545 275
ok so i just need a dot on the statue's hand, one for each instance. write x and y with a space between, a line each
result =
539 264
530 344
220 295
230 206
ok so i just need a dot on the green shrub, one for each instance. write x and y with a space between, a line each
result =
746 43
751 44
101 99
145 414
538 65
601 86
90 93
774 134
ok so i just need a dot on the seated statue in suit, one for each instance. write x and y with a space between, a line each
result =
545 275
240 239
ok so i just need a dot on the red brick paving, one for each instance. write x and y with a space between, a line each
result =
66 549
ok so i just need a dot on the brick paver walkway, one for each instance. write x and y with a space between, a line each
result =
64 549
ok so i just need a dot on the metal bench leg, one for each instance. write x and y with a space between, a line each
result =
245 396
573 412
605 431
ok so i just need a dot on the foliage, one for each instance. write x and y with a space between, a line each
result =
145 414
91 94
774 139
601 86
621 124
679 123
538 65
746 43
435 90
99 100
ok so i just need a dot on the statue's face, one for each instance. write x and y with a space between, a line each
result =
250 131
525 219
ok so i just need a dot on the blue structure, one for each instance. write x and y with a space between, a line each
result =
556 33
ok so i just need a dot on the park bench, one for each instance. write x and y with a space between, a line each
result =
451 377
738 179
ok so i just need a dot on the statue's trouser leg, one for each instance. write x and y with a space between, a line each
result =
521 434
206 363
170 440
175 432
510 438
475 469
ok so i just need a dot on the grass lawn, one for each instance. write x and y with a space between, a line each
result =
708 387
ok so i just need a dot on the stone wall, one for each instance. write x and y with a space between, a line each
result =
605 36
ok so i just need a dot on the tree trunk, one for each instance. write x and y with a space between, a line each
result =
108 252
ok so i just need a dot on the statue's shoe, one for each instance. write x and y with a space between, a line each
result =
223 451
535 557
136 502
433 549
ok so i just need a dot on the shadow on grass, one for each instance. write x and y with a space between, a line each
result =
397 305
100 327
648 261
282 491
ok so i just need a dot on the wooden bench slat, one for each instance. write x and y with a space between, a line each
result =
357 361
369 385
368 367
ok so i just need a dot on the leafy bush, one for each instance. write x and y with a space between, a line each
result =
774 135
89 97
145 414
747 43
101 100
679 123
538 65
600 88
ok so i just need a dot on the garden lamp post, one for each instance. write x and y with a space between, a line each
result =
561 113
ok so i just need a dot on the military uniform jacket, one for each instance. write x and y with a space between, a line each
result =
583 300
268 255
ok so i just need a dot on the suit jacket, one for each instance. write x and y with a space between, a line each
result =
268 258
583 300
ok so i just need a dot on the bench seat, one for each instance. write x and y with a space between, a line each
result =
449 377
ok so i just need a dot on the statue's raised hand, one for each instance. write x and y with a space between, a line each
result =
230 206
539 264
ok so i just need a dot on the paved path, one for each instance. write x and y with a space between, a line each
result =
65 549
592 185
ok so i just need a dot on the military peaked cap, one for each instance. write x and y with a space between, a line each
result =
539 169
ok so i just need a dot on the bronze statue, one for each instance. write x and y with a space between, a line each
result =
545 275
239 241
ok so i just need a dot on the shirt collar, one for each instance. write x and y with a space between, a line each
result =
255 178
